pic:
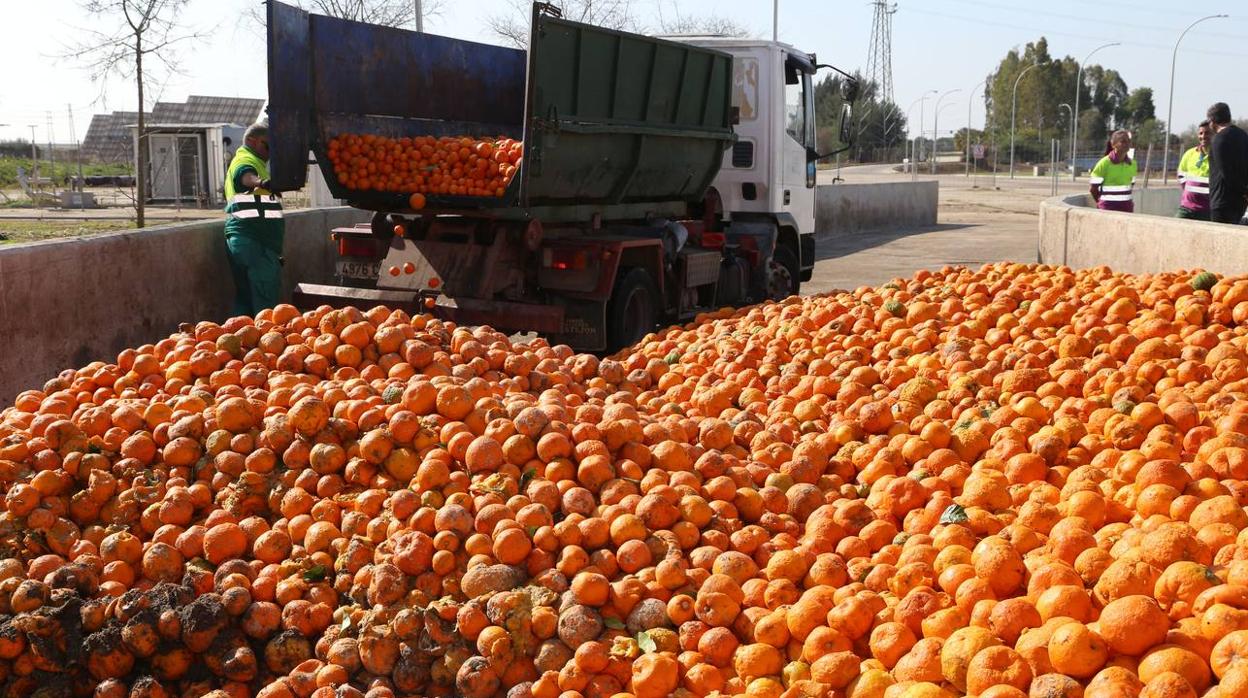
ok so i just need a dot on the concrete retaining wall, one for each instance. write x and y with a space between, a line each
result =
65 303
1158 202
1074 234
844 209
1149 202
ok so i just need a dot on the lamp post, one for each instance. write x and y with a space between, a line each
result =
1074 129
922 105
1165 159
420 20
1070 113
969 101
935 121
910 129
910 126
1014 109
914 142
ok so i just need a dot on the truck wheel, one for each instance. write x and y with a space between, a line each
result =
783 274
633 309
382 227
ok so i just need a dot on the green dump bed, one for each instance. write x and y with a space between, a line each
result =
607 118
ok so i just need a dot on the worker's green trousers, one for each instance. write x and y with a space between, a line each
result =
257 273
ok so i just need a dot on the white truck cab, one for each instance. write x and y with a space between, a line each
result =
770 172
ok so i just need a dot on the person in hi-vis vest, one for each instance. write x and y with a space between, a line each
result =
254 228
1194 176
1113 176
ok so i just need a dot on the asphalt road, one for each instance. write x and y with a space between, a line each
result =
979 221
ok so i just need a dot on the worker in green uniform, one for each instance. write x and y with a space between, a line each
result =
254 228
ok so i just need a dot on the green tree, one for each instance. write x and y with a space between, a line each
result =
1105 103
878 125
1138 108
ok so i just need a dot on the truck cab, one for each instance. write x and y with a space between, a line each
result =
769 173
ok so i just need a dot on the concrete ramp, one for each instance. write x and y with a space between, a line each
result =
1074 234
846 209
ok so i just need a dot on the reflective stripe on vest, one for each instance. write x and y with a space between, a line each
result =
256 213
258 204
1193 183
1121 192
254 206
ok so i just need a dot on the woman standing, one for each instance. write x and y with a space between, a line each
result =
1114 176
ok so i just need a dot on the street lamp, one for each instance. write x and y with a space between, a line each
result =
969 101
420 20
935 121
914 155
1013 109
910 126
1074 129
1070 115
922 105
1165 160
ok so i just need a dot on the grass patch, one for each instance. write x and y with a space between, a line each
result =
8 170
34 231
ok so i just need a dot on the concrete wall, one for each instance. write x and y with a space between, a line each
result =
1076 235
1150 202
65 303
844 209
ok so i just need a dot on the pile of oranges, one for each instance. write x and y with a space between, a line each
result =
1011 482
456 166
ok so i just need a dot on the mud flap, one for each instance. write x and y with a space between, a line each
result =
584 324
764 235
807 256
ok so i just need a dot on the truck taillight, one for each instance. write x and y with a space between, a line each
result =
357 247
713 241
565 258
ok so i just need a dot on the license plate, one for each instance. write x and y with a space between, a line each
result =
358 269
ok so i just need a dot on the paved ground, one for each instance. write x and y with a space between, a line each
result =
980 220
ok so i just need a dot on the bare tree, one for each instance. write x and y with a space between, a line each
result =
708 25
388 13
673 22
513 26
141 30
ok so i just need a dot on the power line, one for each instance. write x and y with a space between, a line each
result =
1085 19
1050 32
1134 7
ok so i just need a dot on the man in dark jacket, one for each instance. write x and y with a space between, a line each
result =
1228 167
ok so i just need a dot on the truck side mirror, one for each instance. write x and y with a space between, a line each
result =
847 131
849 90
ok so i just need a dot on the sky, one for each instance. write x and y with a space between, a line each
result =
941 45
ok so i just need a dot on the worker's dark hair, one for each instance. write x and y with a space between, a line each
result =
1203 124
1109 142
1219 114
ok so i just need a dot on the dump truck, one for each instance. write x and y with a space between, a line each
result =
659 177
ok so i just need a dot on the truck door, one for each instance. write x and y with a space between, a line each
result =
797 173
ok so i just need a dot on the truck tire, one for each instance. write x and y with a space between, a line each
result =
383 227
783 274
633 309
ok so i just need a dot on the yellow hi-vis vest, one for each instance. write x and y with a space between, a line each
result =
258 213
